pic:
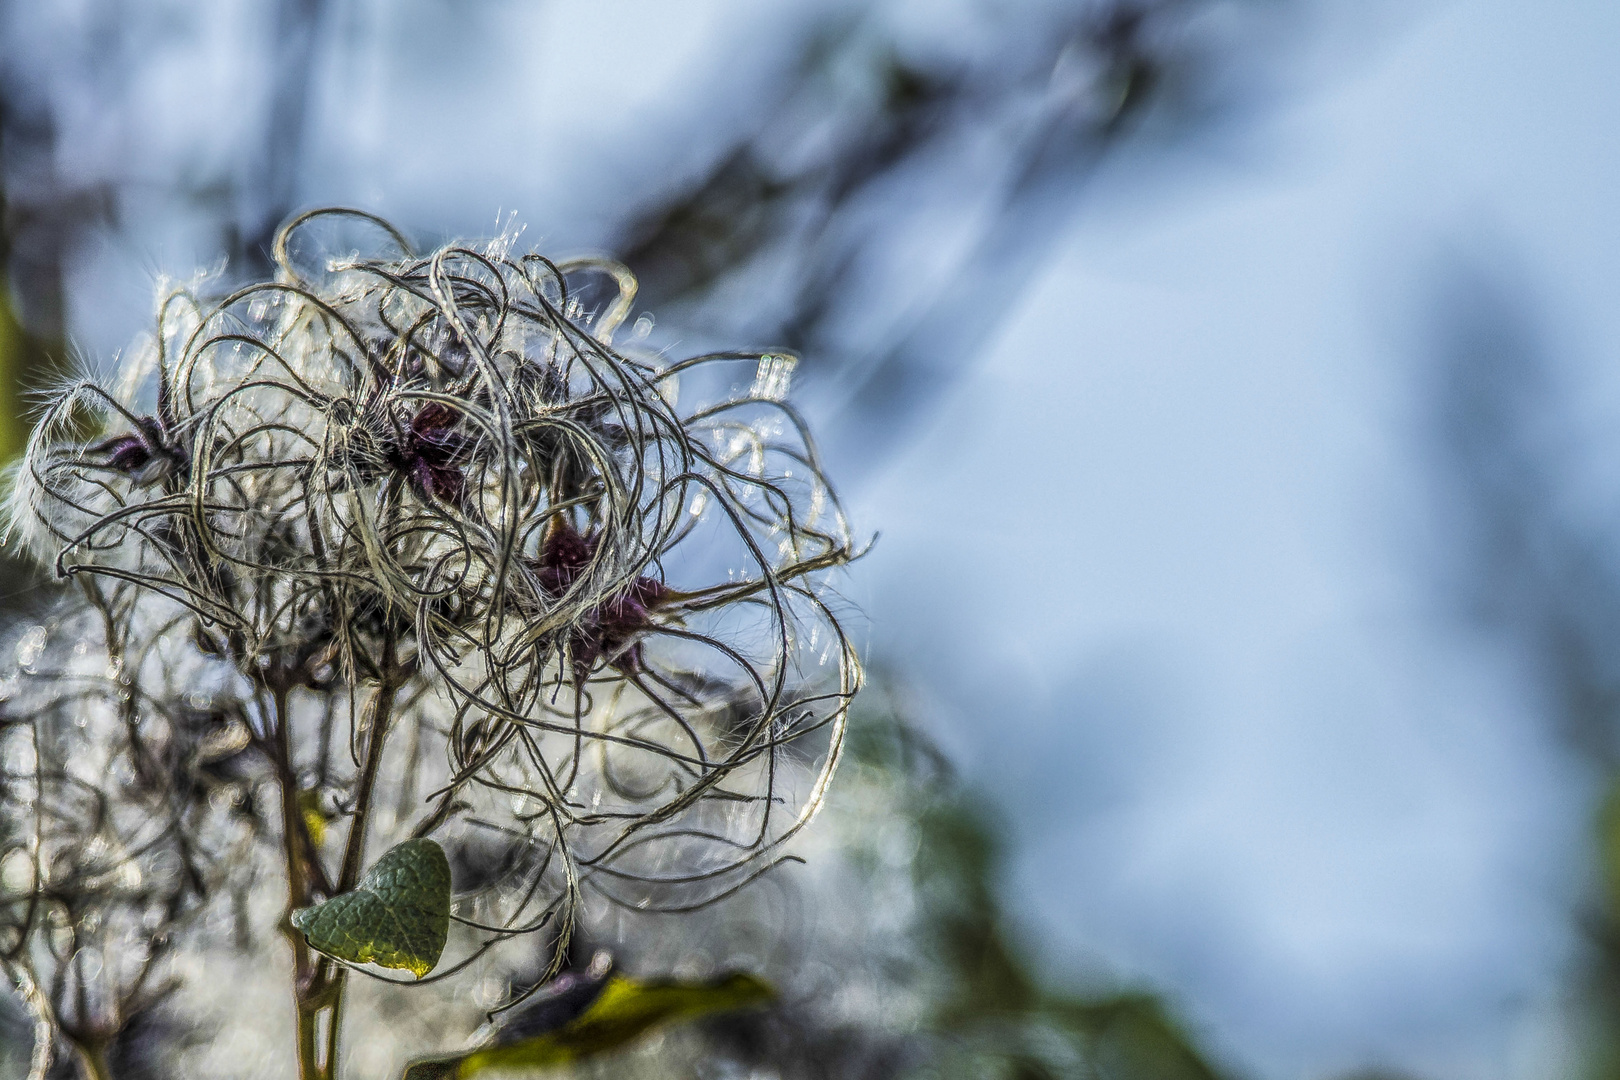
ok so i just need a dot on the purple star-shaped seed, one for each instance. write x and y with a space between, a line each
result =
433 452
609 629
126 453
138 454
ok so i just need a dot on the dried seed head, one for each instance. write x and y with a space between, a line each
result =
608 614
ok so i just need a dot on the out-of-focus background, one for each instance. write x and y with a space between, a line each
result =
1233 385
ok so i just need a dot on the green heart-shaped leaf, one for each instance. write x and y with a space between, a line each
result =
397 916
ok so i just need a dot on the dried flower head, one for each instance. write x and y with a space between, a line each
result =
462 568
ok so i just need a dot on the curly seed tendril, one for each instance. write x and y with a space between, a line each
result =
604 619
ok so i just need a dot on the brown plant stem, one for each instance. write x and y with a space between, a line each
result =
335 1023
93 1056
381 715
307 995
329 979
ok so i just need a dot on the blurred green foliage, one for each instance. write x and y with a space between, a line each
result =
1599 992
19 354
997 1015
623 1010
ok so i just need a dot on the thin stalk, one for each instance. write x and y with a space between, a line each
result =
335 1024
306 991
330 978
381 715
93 1056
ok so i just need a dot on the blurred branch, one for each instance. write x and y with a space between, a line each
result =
1527 565
269 191
40 219
1534 568
808 195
